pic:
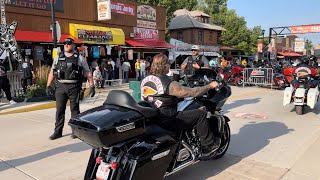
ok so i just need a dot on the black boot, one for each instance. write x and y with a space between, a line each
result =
55 136
73 136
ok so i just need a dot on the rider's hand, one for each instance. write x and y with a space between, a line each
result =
92 91
213 84
48 90
196 66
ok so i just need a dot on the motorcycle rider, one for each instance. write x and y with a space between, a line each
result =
161 91
304 69
191 63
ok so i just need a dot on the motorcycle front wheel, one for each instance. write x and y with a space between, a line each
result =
299 110
225 141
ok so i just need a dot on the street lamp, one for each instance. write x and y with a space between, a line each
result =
54 27
263 42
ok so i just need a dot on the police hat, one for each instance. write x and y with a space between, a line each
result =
68 41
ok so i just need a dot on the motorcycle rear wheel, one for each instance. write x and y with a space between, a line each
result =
225 141
299 110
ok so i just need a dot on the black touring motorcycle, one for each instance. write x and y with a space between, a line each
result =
128 143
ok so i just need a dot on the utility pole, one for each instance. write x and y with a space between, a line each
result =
54 27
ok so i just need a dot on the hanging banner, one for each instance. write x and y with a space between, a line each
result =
146 24
146 12
315 28
104 10
142 33
299 45
123 9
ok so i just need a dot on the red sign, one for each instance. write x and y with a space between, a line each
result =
142 33
315 28
123 8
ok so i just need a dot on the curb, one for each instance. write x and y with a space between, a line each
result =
50 104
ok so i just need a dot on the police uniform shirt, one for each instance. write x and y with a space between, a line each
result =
203 59
81 62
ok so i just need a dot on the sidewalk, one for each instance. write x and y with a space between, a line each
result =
6 108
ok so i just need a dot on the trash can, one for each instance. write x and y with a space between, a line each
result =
136 91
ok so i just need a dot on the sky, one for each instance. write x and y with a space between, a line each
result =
279 13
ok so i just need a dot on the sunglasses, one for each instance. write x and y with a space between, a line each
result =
69 43
194 50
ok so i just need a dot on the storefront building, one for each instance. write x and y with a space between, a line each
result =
102 29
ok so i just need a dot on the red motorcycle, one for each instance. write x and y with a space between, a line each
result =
233 75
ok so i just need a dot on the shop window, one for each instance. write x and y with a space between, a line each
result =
180 35
200 37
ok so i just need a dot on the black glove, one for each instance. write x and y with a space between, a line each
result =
92 91
48 90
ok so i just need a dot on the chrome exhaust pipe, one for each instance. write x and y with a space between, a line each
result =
184 165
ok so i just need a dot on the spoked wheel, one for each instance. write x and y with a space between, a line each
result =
225 141
239 82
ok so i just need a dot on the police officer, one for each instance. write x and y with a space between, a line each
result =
304 69
4 83
28 74
67 69
191 63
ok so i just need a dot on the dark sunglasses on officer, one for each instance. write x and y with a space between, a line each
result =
68 41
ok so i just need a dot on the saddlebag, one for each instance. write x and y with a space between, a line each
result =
107 125
287 95
313 95
149 159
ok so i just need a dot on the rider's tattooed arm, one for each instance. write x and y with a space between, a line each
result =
176 89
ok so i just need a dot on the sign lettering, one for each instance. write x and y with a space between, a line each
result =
315 28
92 35
104 12
123 9
146 24
142 33
36 4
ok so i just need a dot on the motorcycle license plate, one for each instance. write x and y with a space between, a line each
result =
103 171
299 100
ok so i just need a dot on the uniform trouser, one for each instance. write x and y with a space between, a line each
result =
64 92
26 82
193 118
5 86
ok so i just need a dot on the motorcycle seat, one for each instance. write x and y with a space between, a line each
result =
124 99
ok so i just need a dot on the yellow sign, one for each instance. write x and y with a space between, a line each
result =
97 34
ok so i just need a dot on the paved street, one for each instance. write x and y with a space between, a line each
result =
270 142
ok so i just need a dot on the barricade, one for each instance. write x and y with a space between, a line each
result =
258 76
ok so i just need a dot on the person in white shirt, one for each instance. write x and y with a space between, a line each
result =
97 77
113 64
143 72
126 67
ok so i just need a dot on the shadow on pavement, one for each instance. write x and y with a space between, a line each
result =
251 138
239 103
71 148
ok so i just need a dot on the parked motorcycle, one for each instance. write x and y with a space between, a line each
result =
302 94
233 75
279 78
128 142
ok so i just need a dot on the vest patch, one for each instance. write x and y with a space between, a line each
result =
156 81
147 91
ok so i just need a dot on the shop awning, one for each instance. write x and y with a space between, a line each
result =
37 36
289 54
149 43
97 34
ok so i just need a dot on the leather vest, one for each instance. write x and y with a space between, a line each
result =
26 69
189 69
67 68
155 89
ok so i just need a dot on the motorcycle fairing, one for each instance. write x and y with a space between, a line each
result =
299 96
287 95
